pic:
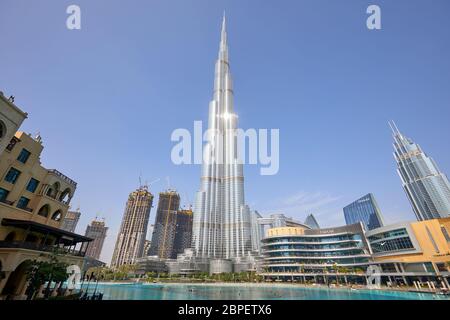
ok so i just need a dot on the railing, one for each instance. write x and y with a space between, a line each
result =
40 247
62 176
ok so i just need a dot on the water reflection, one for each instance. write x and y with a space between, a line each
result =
247 292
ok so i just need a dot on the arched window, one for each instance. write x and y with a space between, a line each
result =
65 195
2 129
53 190
57 215
44 210
10 237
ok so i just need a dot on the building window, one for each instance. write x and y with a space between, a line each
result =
57 216
32 185
24 155
23 203
12 175
12 144
44 210
2 129
3 194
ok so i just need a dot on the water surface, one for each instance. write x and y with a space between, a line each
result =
175 291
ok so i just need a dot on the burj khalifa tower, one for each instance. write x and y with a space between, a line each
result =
221 226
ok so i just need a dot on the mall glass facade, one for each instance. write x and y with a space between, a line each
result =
316 251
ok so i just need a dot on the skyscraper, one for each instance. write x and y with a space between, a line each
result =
133 230
183 232
221 227
70 221
311 222
165 224
426 187
97 231
364 210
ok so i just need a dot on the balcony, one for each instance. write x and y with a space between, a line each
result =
67 243
41 247
63 177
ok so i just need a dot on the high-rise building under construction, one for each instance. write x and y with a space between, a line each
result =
133 230
97 231
165 225
183 233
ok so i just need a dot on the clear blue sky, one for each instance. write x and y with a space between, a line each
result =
106 98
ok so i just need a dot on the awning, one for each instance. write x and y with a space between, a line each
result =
66 236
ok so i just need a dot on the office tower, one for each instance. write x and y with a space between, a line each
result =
364 210
222 227
426 187
133 230
70 221
183 232
311 222
165 224
96 231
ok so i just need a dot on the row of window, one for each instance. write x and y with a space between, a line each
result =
315 253
12 176
347 237
397 244
389 234
342 245
23 202
23 155
337 261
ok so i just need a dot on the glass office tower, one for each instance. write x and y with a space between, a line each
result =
364 210
427 188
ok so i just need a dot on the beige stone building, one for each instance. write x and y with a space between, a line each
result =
33 202
11 117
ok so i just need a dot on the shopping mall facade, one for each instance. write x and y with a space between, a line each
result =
399 254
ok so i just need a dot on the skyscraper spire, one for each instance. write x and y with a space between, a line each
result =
394 128
427 188
223 49
223 37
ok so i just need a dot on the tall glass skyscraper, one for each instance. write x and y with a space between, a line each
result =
427 188
222 223
364 210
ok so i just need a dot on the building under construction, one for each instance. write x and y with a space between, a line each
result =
133 230
97 231
173 227
183 233
165 225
